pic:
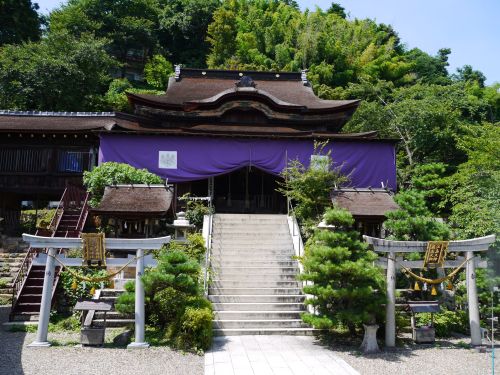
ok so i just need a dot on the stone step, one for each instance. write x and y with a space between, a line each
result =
6 291
260 324
258 271
257 315
256 252
243 227
253 298
251 258
28 307
261 306
253 283
111 292
252 241
253 291
222 262
21 316
114 322
257 276
249 233
112 315
265 331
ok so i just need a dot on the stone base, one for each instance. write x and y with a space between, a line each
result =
39 344
138 345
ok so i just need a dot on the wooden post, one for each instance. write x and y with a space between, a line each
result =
390 308
475 329
48 282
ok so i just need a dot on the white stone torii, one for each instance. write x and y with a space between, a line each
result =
468 246
53 243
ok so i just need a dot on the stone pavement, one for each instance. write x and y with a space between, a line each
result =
274 355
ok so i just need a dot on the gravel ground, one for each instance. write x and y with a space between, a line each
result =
446 357
17 359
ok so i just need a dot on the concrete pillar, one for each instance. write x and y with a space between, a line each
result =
390 308
48 284
475 330
140 316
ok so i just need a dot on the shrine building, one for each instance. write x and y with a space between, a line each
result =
218 133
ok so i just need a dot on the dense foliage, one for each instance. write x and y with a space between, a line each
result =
112 173
413 221
19 21
175 307
59 73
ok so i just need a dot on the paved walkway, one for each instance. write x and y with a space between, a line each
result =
274 355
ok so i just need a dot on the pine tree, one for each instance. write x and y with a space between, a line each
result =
347 288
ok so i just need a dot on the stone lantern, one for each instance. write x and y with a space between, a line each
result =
182 227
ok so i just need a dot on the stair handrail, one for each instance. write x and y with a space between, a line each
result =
24 269
208 248
83 214
295 232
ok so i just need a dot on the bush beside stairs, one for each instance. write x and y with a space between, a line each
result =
253 286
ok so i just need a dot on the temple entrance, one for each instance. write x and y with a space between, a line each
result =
248 190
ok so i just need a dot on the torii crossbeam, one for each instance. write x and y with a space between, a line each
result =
467 246
54 243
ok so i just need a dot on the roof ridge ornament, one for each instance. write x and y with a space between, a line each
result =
177 72
303 77
246 81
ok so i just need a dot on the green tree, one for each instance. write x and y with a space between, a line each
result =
111 173
309 187
19 21
347 288
131 26
183 30
475 195
60 73
413 221
468 74
157 71
116 97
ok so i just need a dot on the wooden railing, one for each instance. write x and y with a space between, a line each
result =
73 197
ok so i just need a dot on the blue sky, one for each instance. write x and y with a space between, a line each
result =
471 28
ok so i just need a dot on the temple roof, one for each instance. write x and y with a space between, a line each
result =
284 88
35 121
149 201
365 202
235 96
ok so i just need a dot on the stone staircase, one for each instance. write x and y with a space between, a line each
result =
9 267
254 289
113 317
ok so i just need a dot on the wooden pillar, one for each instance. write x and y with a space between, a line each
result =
475 329
390 308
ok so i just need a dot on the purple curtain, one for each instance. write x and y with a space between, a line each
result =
368 163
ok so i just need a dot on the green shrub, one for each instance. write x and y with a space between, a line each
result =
3 283
446 322
196 210
43 219
171 289
59 323
70 295
195 329
111 173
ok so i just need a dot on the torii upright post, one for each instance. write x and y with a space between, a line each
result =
139 305
468 246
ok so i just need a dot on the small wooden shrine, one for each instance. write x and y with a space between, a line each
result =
134 211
